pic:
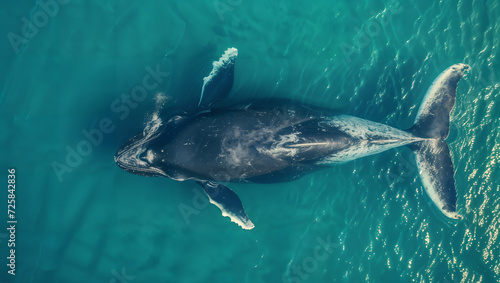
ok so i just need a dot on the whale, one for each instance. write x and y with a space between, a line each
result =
270 142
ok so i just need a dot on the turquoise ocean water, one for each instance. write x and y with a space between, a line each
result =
66 64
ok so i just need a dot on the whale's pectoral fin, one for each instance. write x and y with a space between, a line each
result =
228 202
436 172
218 84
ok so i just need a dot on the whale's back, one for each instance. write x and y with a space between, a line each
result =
240 144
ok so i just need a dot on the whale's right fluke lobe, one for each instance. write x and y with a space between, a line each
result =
433 155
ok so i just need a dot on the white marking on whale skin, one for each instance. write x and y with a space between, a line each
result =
175 119
278 150
226 58
237 155
433 93
310 144
236 146
370 138
367 130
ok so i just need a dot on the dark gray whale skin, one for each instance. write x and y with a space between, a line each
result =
246 144
277 142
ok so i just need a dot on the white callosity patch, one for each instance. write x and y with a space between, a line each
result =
434 93
227 58
369 138
150 155
153 125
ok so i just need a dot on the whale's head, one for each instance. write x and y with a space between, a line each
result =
135 155
147 153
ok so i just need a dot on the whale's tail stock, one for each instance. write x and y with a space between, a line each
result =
433 155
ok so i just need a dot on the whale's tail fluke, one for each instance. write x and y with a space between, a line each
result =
433 155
